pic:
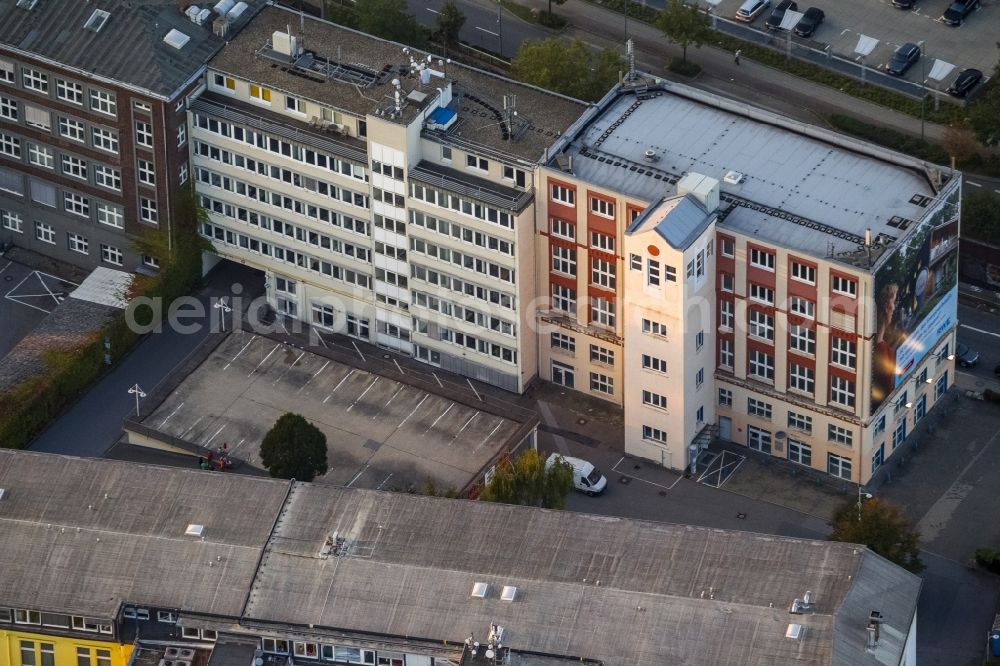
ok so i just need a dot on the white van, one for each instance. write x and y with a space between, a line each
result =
586 477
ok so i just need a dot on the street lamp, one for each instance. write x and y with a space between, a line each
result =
139 393
221 305
862 495
923 84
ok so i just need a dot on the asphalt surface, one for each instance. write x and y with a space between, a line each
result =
18 316
94 424
980 330
484 25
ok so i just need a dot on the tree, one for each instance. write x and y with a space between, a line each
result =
684 25
981 216
525 480
558 2
883 528
984 115
449 23
294 449
959 143
572 70
389 19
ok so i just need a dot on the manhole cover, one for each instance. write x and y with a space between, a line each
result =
625 480
741 515
662 493
636 467
581 421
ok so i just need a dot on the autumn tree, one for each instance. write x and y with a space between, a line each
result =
882 527
526 480
294 449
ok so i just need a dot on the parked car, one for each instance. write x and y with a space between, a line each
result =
956 13
809 22
903 59
965 356
966 81
904 4
751 9
778 14
586 477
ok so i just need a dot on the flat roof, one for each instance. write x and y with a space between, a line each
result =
381 433
129 46
477 95
804 188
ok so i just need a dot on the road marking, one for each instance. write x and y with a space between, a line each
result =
432 11
282 373
997 191
440 417
652 483
463 428
487 31
226 366
192 426
314 376
386 479
265 358
358 475
29 305
358 399
379 412
969 182
337 386
489 436
221 428
164 422
413 412
6 267
979 330
322 341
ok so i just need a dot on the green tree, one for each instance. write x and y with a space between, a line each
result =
526 480
984 115
294 449
684 25
390 20
449 23
558 2
981 216
573 70
882 527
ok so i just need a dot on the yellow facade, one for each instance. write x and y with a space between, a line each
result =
23 648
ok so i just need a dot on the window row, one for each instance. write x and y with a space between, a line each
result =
466 261
467 314
456 203
485 347
461 286
461 232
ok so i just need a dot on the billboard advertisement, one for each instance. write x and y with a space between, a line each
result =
916 299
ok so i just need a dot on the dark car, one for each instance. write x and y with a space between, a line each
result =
956 14
809 22
778 13
966 81
966 357
904 4
903 59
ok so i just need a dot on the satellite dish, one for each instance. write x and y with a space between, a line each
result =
489 654
259 661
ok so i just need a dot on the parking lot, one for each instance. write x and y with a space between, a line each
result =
28 295
972 44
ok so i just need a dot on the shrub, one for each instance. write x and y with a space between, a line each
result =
684 67
989 559
890 138
551 20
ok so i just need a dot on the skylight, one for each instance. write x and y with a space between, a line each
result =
176 39
97 20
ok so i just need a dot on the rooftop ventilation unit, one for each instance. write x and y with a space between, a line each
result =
509 593
97 20
479 590
195 530
192 13
237 10
285 44
203 16
176 39
187 653
223 6
794 631
734 177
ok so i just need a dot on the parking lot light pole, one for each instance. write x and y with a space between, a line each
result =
138 394
923 85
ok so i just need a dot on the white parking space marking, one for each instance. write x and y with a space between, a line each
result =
164 422
979 330
439 418
463 428
192 426
6 267
358 399
358 475
413 412
314 375
489 436
221 428
969 182
226 366
282 373
386 405
264 359
652 483
337 386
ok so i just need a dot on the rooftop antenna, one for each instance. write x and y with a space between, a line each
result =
868 245
630 56
510 112
397 86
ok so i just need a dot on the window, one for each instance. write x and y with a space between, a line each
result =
76 204
602 273
879 426
103 102
225 82
841 391
105 140
563 299
354 655
11 221
699 340
726 355
35 80
699 264
45 233
669 273
602 207
651 434
7 71
842 352
152 262
689 269
601 383
10 145
27 653
761 325
899 433
725 397
759 439
801 378
83 656
75 167
802 339
108 177
654 399
274 645
602 311
603 355
306 650
147 210
78 243
516 175
262 95
699 377
143 134
901 403
839 435
323 315
941 386
802 307
603 242
762 294
878 457
72 129
294 104
652 272
284 285
635 262
474 162
147 172
22 616
166 616
182 174
563 195
726 314
110 215
142 106
190 632
563 374
838 466
111 255
564 342
48 654
761 259
727 282
103 657
800 453
803 273
728 247
38 117
41 156
8 108
564 260
759 408
446 153
654 328
761 365
654 364
43 193
800 422
843 285
563 229
181 135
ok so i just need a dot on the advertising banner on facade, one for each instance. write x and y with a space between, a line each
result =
916 299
